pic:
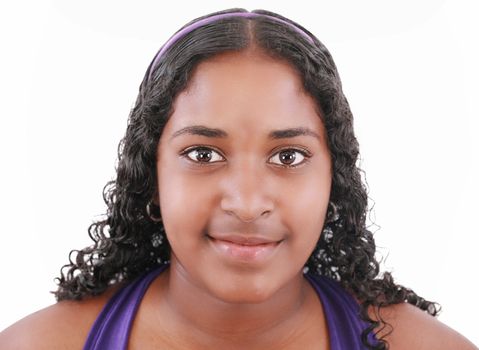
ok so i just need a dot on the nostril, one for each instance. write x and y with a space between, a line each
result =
247 205
266 213
248 217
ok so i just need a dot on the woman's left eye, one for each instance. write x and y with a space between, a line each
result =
289 157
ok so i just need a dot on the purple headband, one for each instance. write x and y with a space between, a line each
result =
204 21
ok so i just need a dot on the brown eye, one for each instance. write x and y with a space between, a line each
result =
203 155
288 157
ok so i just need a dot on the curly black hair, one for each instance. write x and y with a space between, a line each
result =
127 242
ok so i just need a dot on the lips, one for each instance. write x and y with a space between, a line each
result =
244 249
244 240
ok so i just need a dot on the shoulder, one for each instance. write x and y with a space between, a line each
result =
64 325
414 329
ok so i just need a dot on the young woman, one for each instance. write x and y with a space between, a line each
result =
237 218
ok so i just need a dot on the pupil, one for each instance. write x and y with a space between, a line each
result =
203 155
287 157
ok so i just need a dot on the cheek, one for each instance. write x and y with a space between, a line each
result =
306 211
184 202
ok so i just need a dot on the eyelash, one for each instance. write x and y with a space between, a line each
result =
303 152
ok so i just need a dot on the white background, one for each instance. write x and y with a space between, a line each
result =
70 72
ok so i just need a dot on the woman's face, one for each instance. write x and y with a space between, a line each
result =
244 177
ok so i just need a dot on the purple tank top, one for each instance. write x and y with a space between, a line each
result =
111 329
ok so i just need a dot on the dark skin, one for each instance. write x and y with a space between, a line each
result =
301 326
243 188
209 300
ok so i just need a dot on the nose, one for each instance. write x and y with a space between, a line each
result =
246 193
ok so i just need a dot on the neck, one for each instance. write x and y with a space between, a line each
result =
213 320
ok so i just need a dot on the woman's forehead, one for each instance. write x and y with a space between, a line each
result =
244 89
229 73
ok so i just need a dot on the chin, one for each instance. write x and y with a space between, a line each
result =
243 290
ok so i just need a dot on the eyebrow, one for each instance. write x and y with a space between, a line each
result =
218 133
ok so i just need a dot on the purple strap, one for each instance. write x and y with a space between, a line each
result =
207 20
111 329
342 314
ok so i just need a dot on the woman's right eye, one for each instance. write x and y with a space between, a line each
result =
203 155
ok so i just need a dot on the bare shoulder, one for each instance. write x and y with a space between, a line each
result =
414 329
64 325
